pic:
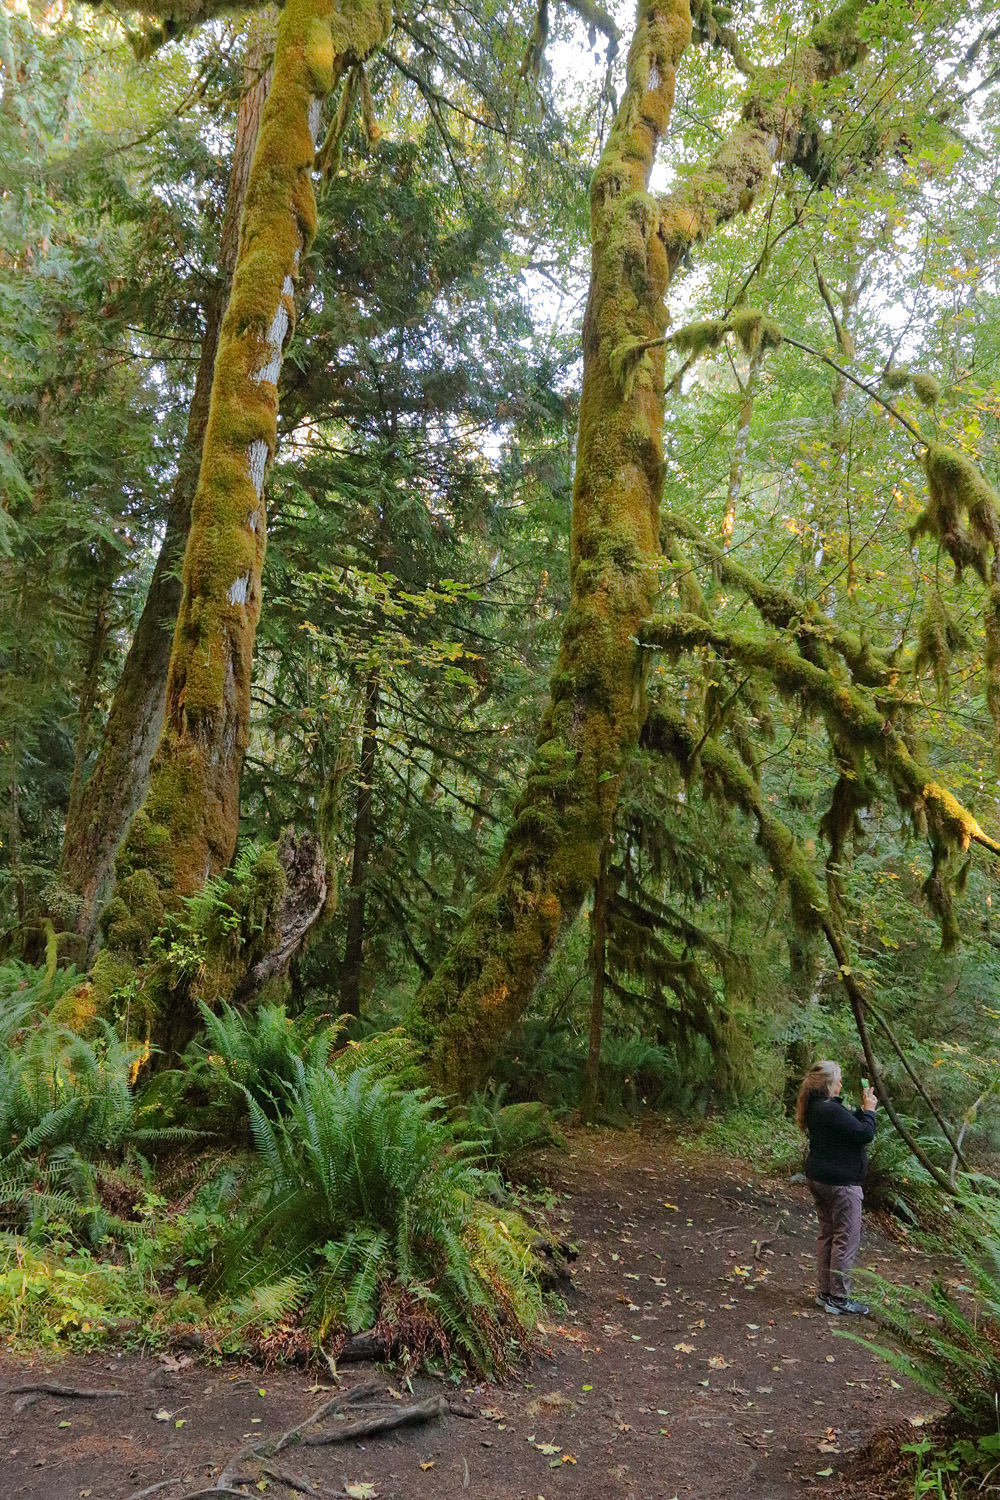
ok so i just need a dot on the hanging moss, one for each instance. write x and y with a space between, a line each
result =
927 388
962 510
777 124
939 638
755 330
897 379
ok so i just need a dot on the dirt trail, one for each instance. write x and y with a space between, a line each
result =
687 1360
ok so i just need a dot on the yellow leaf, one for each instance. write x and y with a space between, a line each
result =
685 1348
428 1465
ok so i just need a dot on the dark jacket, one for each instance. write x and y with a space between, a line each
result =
837 1140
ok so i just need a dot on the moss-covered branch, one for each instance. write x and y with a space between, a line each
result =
669 732
777 124
801 618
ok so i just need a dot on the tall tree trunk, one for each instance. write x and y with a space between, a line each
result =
350 973
551 856
186 828
99 814
597 707
599 958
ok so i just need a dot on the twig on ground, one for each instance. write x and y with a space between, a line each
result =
50 1388
723 1229
343 1398
421 1411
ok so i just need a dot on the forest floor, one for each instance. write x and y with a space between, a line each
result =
688 1359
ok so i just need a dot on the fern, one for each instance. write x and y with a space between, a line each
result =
946 1337
366 1189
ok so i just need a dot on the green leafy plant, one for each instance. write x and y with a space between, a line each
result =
946 1337
366 1193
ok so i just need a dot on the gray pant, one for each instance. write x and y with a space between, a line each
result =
839 1240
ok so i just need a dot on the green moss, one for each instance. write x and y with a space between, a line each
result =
897 379
927 388
755 330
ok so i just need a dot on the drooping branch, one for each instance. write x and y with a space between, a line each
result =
669 732
801 618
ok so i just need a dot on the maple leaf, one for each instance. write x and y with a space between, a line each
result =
360 1490
547 1448
718 1362
685 1348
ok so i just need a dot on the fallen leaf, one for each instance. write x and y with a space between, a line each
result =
828 1447
588 1387
492 1413
360 1490
718 1362
673 1206
163 1415
830 1359
547 1447
824 1473
685 1348
180 1421
69 1424
428 1465
569 1458
262 1390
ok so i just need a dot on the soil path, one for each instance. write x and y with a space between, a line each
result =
688 1359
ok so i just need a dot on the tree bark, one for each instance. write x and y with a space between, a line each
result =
597 707
592 1079
550 859
186 828
350 973
99 814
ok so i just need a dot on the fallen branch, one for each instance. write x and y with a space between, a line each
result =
403 1416
50 1388
342 1399
461 1411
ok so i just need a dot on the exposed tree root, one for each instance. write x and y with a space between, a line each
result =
403 1416
336 1403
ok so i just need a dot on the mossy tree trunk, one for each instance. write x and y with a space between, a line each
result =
551 856
186 828
598 959
597 707
99 814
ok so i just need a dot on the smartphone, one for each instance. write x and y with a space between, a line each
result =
865 1084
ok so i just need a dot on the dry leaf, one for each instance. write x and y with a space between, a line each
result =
547 1447
685 1348
360 1490
828 1447
428 1465
718 1362
569 1458
492 1413
163 1415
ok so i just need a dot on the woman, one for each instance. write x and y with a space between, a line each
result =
835 1169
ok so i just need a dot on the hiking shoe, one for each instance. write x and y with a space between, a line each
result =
831 1305
847 1305
821 1301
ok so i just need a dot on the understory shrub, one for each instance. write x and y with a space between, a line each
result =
946 1337
382 1217
896 1180
772 1141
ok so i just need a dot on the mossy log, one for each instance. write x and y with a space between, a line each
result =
551 855
186 829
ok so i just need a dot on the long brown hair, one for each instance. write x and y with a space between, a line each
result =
821 1080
